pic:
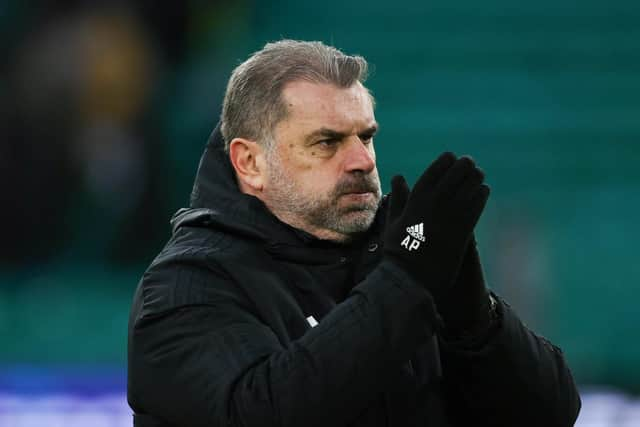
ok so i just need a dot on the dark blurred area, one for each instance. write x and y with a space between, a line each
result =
84 157
104 111
105 108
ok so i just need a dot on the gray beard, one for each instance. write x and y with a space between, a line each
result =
321 211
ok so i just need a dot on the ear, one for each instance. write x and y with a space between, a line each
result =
247 158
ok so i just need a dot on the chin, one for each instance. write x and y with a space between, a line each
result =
358 222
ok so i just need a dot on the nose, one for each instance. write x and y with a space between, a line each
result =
359 157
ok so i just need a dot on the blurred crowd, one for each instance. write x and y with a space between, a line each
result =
86 169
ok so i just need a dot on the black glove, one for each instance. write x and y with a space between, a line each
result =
466 308
428 234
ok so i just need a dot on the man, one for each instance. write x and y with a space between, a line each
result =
292 294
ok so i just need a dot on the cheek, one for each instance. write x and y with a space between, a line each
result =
319 182
312 172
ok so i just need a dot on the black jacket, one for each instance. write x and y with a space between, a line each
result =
220 333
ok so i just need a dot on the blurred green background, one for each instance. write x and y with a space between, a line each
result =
104 112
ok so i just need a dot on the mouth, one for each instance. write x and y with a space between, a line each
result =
359 195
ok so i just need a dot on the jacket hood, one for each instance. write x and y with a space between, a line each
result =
217 202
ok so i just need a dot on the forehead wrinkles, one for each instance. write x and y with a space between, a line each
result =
328 105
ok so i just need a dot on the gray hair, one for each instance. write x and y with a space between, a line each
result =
253 103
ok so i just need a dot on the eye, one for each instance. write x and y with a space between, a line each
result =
329 142
366 138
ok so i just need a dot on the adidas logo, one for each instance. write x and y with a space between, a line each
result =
417 231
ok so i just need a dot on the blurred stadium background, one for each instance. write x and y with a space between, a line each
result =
105 108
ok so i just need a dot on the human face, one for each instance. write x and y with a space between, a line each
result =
322 175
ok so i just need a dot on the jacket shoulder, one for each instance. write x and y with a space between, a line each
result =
192 269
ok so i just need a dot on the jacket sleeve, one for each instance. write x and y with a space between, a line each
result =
218 364
516 378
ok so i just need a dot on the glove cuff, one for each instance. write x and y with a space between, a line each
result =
474 325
